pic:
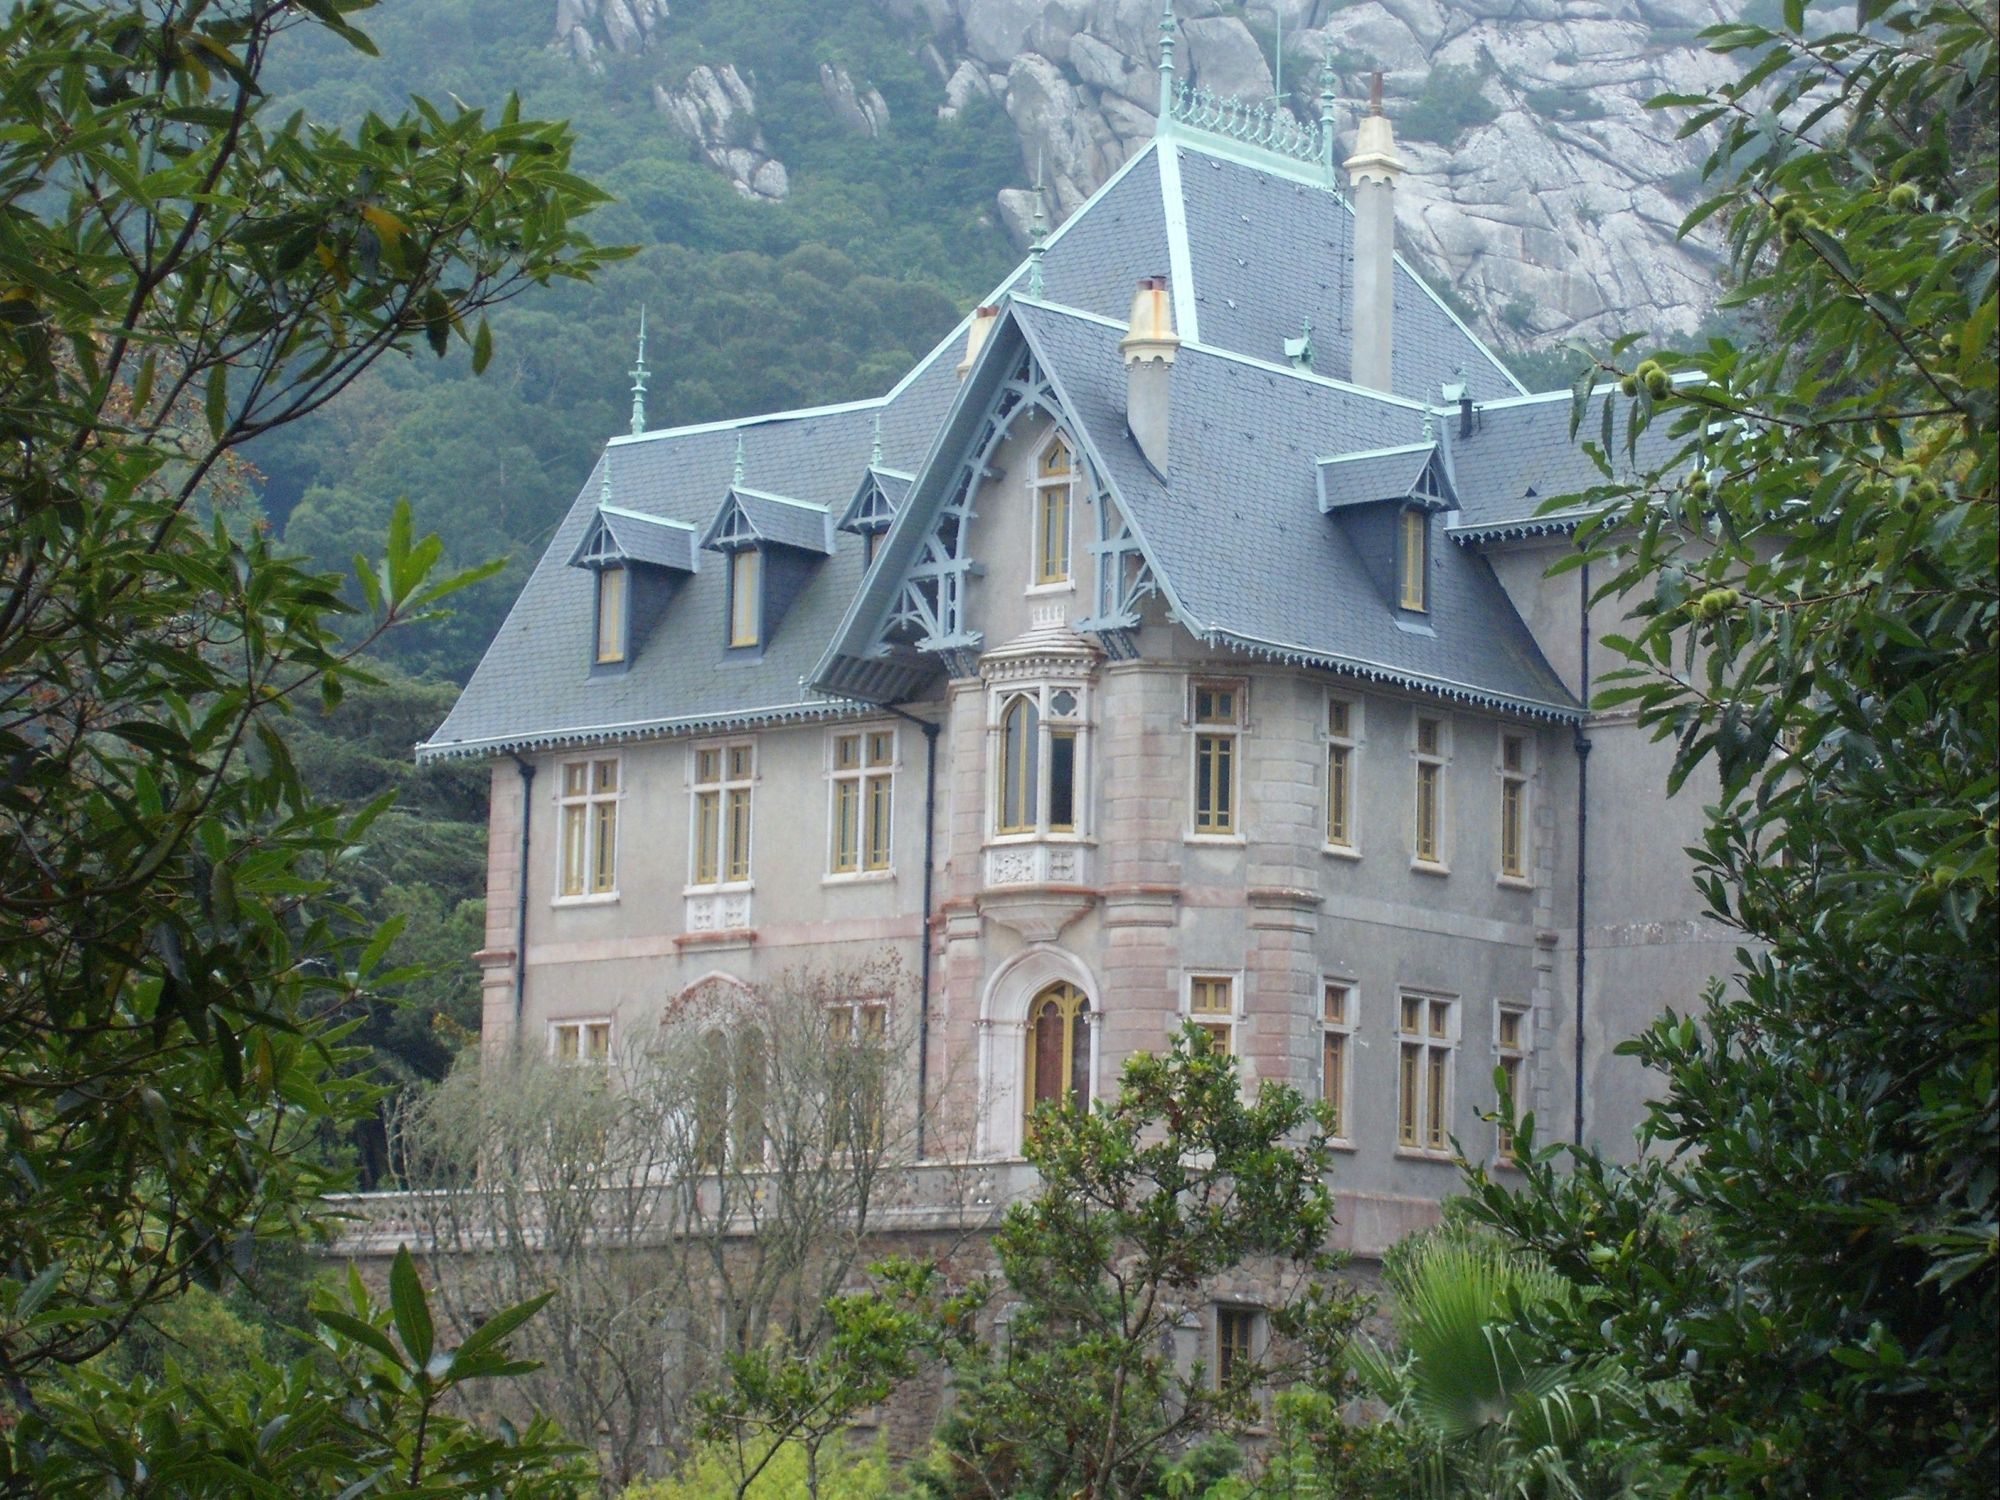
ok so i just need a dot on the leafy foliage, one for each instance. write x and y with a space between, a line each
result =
179 273
1143 1204
1810 1244
369 1413
420 866
713 1474
1491 1407
784 1404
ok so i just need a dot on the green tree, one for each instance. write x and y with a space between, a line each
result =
180 272
1489 1406
1144 1203
1809 1242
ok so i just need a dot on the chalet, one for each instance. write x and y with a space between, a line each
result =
1173 643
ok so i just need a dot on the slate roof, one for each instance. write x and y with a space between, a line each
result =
641 538
1255 290
1368 478
1097 255
1520 457
777 519
1234 533
1264 250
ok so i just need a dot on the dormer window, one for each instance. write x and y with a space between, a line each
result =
746 597
1053 475
772 544
1414 559
637 562
1384 501
873 509
614 601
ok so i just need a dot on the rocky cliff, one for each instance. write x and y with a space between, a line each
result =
1541 191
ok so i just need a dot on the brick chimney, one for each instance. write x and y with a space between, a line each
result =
1149 349
975 337
1371 174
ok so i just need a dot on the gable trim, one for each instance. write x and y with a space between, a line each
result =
1180 260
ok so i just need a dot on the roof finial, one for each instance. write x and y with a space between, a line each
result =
875 453
1375 92
639 374
1430 426
604 486
1278 60
739 459
1038 234
1327 99
1166 63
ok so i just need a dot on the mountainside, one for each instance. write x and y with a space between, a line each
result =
1542 193
816 191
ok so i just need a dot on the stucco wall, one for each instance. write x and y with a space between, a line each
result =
1143 902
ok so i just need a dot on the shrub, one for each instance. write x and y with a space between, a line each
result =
709 1475
1453 102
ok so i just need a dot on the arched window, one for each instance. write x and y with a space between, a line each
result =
729 1124
1020 766
1052 507
1058 1061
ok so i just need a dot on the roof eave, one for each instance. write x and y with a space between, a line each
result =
1568 712
546 739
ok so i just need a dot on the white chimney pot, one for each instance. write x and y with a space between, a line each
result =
1149 348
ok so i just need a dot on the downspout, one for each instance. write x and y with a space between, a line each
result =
1581 743
930 730
527 770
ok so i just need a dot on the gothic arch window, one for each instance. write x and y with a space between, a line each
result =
1038 758
1020 766
1057 1065
730 1097
1054 472
722 1056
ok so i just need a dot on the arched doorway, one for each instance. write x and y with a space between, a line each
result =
1057 1065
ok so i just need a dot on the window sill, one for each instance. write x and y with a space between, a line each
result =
1033 836
720 888
1334 1144
1429 867
1065 586
1514 882
1341 851
1415 1153
1223 840
858 877
603 898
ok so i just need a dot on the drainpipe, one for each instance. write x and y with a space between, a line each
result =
527 770
930 730
1581 743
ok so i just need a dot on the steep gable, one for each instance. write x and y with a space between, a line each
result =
1233 536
